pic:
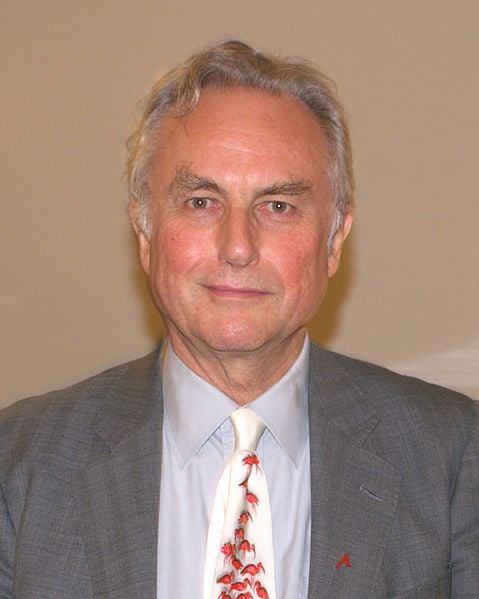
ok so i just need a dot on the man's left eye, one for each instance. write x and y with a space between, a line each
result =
279 207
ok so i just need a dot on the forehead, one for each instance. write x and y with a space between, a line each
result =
245 131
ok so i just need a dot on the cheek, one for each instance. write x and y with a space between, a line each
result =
301 264
177 251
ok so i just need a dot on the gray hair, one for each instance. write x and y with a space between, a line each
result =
235 64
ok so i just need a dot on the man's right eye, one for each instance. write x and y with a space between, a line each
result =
200 203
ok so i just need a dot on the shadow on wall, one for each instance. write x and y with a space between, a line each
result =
153 326
325 322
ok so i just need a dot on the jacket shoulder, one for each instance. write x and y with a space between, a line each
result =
402 403
31 427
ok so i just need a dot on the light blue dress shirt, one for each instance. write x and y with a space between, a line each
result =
198 439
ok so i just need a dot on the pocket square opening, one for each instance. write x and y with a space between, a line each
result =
371 494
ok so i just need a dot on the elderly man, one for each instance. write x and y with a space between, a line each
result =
153 480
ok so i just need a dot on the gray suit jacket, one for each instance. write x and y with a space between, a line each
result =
394 485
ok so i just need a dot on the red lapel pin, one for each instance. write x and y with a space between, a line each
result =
344 561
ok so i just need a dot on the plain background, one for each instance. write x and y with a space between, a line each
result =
73 301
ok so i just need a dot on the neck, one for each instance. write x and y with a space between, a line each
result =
241 375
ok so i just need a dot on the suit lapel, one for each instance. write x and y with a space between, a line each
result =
117 497
353 492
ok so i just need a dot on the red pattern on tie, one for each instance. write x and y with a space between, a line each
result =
240 574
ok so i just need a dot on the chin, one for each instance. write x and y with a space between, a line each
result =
234 345
236 341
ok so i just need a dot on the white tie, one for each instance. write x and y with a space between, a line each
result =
239 551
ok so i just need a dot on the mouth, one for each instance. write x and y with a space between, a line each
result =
229 292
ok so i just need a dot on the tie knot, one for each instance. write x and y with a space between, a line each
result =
248 429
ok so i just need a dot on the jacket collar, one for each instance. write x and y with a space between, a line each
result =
117 496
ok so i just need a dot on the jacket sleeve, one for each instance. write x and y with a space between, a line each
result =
465 519
7 549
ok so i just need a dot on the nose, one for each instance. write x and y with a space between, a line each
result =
237 243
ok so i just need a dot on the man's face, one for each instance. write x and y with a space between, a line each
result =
240 213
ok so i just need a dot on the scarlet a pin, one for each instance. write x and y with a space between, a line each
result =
344 561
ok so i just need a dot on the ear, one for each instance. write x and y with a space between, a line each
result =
143 240
339 238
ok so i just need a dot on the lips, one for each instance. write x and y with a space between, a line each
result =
230 292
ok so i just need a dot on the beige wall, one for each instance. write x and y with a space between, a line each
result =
71 298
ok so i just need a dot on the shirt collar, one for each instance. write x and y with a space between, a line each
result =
284 407
195 409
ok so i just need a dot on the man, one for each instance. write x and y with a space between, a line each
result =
240 196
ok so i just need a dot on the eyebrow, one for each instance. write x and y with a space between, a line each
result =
186 180
287 188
